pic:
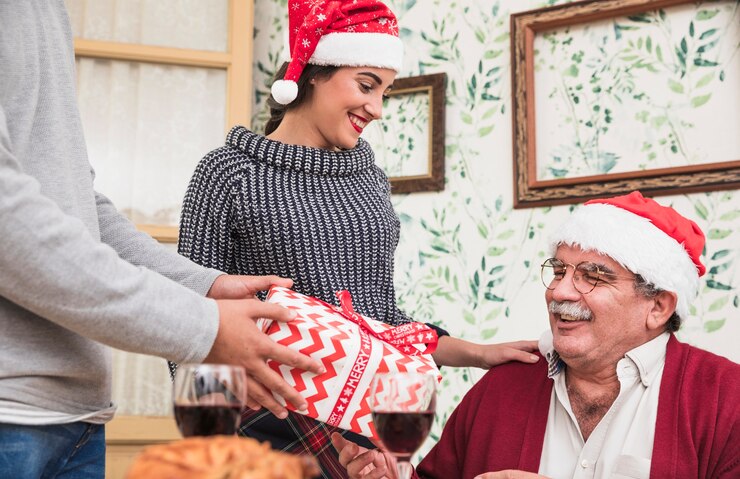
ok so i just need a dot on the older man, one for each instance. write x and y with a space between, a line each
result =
618 396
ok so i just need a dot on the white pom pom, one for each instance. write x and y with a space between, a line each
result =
284 91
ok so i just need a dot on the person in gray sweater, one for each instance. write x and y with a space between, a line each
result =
76 277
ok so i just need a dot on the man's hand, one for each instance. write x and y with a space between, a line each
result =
228 286
240 342
363 463
510 474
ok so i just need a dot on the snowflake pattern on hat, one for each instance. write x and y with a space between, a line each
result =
338 33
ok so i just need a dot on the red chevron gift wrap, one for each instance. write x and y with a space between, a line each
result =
352 348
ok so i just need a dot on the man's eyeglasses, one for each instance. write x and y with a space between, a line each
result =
585 277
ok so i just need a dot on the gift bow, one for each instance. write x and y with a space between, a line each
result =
401 337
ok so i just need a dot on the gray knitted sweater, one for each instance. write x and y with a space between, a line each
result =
325 219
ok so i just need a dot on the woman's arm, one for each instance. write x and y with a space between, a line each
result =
456 352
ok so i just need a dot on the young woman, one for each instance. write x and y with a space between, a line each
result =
307 202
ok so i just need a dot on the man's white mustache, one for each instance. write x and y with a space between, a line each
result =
570 308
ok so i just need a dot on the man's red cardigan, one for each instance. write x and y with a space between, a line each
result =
500 424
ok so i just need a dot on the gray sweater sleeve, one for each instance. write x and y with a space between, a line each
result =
52 266
140 249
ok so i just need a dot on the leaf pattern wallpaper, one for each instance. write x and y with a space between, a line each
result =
400 140
639 92
467 260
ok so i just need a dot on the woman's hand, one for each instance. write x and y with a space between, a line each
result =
363 463
494 354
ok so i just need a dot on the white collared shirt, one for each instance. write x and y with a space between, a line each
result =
621 445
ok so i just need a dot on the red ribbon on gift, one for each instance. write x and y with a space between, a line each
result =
401 337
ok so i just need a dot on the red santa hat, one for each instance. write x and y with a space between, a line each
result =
355 33
648 239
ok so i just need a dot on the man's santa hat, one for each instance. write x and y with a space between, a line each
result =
648 239
353 33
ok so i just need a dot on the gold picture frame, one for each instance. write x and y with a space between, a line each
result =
409 142
618 20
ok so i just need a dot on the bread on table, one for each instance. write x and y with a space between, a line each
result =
220 457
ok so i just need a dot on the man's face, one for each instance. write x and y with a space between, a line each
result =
618 313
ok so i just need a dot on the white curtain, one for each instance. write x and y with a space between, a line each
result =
147 126
195 24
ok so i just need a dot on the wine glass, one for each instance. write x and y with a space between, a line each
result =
208 398
403 406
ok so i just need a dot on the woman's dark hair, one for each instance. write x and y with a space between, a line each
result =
277 111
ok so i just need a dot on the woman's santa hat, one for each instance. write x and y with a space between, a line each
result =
354 33
648 239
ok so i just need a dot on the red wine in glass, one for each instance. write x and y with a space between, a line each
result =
207 420
208 398
402 404
403 433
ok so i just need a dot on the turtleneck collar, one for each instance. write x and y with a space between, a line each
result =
301 158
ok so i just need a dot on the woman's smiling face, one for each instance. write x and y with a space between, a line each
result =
341 106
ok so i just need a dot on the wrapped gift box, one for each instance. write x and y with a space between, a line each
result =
352 348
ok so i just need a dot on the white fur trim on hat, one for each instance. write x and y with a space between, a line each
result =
359 49
635 243
284 91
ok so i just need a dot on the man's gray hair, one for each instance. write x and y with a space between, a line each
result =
649 290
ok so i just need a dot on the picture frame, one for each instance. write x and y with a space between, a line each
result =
683 67
409 142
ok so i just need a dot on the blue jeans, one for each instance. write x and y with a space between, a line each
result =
64 451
